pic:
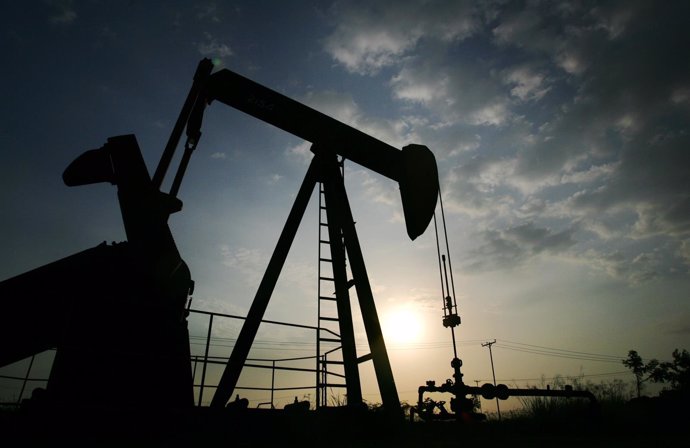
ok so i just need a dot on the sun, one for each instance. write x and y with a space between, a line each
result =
402 326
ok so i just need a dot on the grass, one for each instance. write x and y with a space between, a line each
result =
611 396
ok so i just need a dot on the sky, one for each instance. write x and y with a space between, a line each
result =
561 132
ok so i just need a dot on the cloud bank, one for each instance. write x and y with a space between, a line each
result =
560 128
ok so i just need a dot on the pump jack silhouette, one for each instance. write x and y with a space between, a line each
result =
116 313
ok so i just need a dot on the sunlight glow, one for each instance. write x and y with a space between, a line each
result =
402 326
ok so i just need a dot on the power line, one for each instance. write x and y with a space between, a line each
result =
432 345
415 346
617 357
559 355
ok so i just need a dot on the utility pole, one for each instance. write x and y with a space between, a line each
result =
493 372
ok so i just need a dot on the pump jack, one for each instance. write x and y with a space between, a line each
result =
113 308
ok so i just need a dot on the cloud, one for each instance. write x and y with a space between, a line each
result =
301 151
677 325
590 174
64 14
273 179
342 106
568 115
681 96
455 94
474 188
297 276
614 19
651 180
374 189
208 11
367 51
621 135
684 251
636 269
527 84
564 35
373 35
249 263
513 246
213 48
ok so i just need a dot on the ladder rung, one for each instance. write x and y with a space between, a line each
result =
333 299
327 279
329 340
332 385
334 362
364 358
330 319
324 242
322 207
324 224
326 260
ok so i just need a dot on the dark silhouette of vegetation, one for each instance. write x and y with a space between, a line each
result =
610 395
643 371
675 373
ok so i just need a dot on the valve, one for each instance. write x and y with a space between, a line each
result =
451 320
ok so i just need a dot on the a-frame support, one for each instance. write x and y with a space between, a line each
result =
324 168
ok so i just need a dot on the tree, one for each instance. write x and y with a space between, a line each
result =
677 372
651 370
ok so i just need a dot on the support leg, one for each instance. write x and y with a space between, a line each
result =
354 388
232 371
384 374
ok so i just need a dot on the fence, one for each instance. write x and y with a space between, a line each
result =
200 380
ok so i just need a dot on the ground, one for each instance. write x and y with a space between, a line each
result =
149 427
